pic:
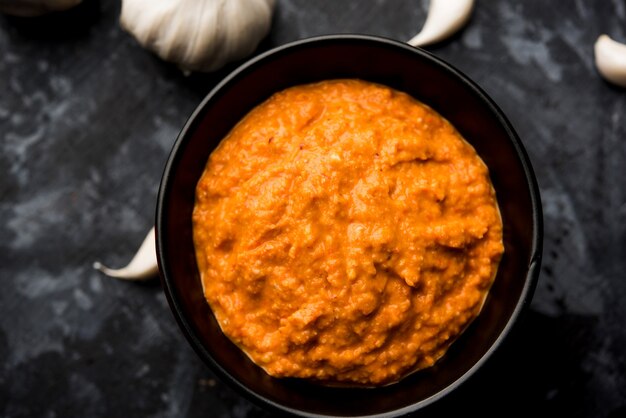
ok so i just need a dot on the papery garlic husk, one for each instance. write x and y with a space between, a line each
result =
200 35
31 8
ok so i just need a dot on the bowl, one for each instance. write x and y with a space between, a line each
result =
428 79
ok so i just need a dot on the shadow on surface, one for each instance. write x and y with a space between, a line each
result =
67 24
538 370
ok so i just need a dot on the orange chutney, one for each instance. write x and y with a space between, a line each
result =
345 233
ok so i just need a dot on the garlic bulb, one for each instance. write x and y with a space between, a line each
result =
201 35
611 60
30 8
445 17
142 266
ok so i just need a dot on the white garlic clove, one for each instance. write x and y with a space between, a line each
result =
32 8
445 17
143 265
611 60
201 35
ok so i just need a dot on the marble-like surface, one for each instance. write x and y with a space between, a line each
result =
87 119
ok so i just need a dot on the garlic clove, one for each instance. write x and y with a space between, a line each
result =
445 17
143 265
611 60
32 8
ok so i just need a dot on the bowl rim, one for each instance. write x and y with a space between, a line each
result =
530 281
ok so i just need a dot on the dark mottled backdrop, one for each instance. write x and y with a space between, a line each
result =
87 119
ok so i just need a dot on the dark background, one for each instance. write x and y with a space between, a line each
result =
87 119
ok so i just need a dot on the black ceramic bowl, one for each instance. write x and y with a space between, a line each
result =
428 79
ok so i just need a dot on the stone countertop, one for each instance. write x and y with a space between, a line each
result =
87 119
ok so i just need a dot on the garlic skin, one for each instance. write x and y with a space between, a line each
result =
445 17
143 265
611 60
32 8
200 35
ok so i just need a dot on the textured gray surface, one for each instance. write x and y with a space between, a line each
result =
87 119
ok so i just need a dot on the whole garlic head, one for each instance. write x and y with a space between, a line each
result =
201 35
30 8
